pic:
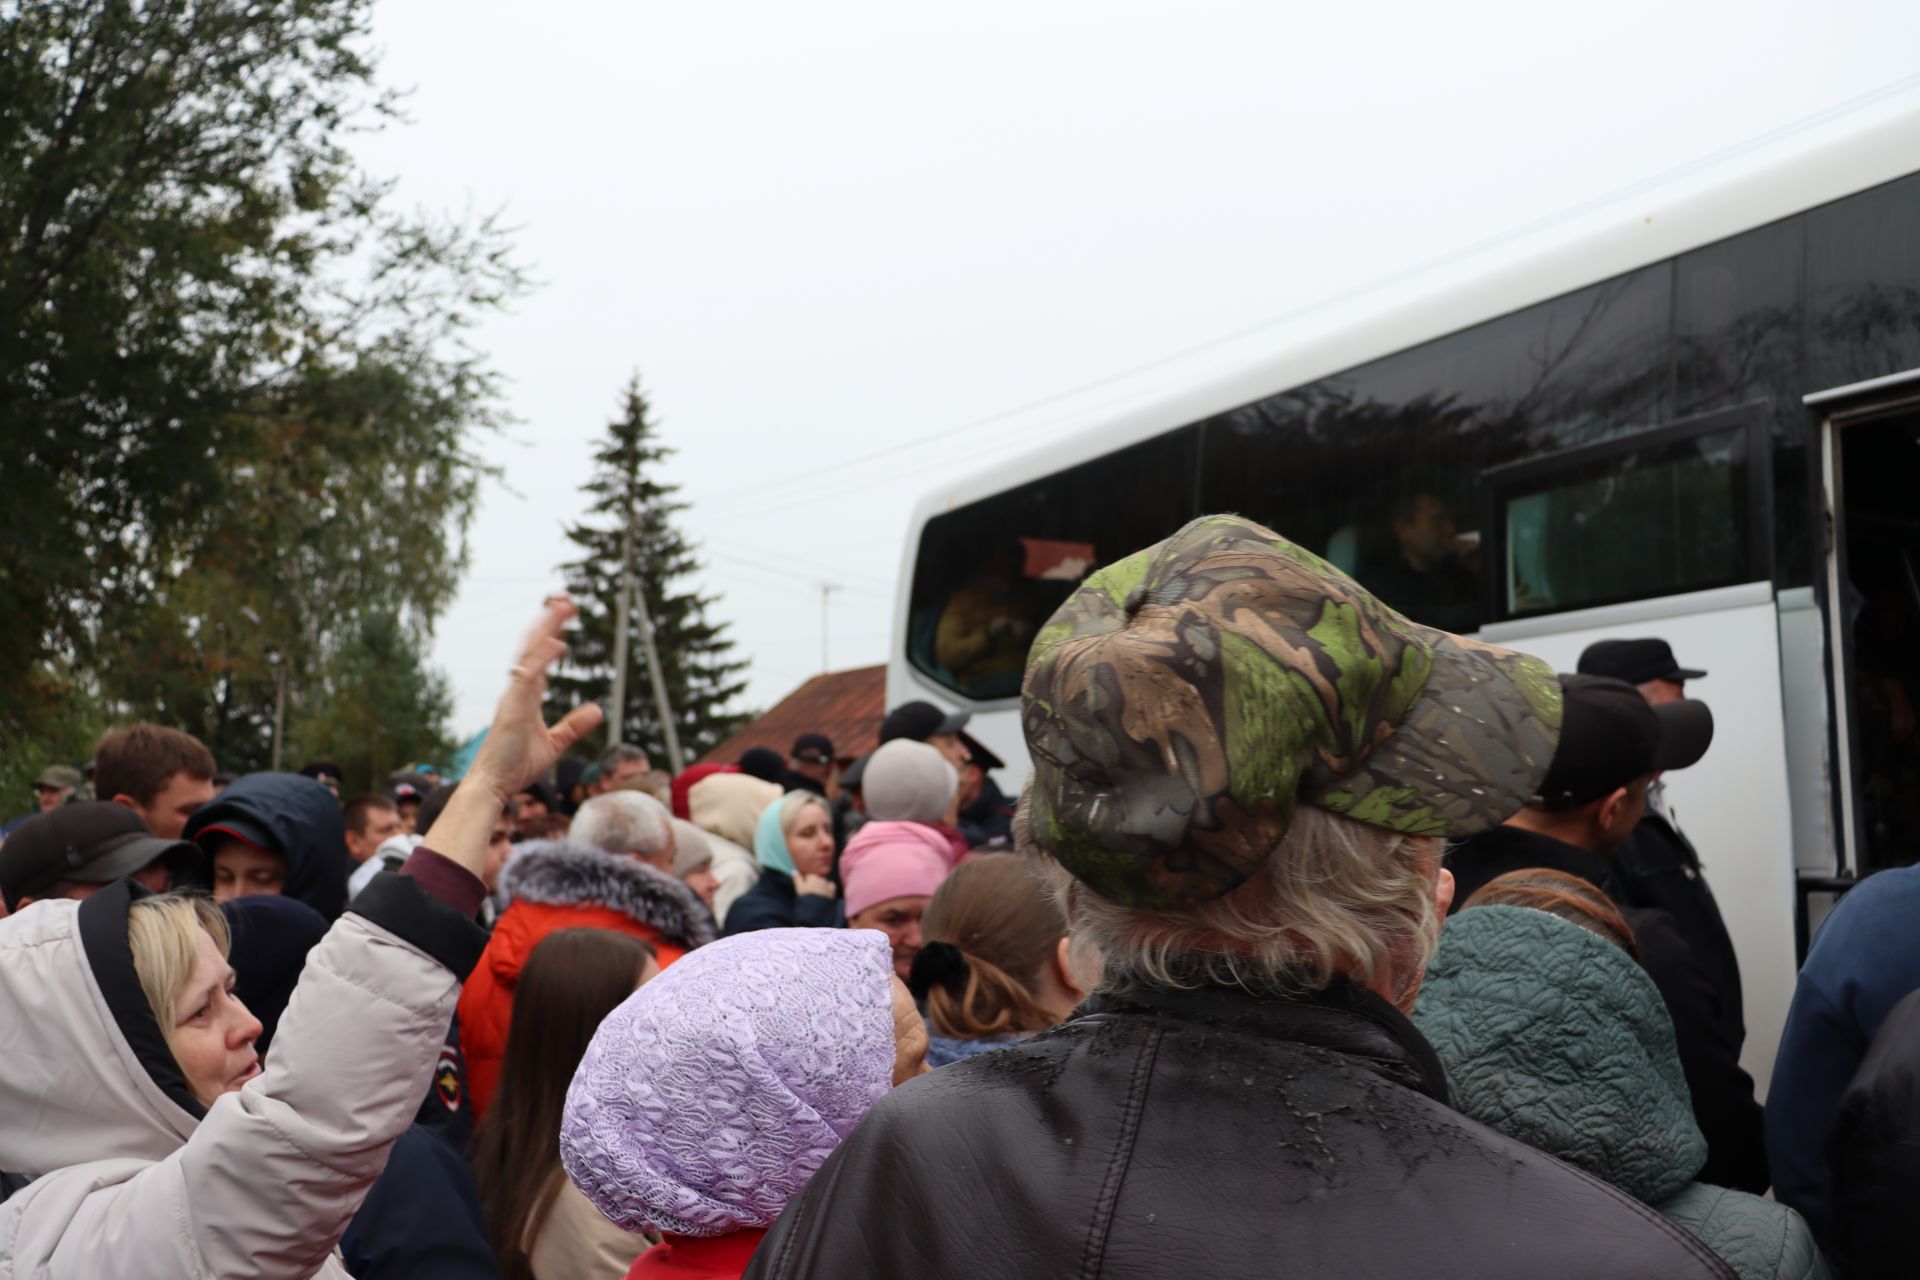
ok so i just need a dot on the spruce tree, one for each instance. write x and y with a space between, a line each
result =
703 679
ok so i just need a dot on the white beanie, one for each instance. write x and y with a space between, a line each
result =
908 781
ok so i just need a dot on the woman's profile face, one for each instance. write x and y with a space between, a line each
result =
810 843
212 1033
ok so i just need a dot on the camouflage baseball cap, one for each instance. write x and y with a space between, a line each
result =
1185 699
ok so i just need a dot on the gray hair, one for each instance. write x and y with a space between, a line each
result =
625 822
1336 897
620 753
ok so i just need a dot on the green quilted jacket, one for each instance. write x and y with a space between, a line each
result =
1556 1037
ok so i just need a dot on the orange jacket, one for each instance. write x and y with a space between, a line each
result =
554 885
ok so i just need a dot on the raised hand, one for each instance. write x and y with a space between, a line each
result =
519 745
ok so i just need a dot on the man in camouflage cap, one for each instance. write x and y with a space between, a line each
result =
1185 699
1243 764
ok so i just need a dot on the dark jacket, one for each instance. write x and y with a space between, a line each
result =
1873 1155
987 823
422 1220
1555 1037
1863 962
295 817
1723 1101
1207 1133
772 903
793 780
270 937
1657 869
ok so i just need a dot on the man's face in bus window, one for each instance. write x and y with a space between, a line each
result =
1427 534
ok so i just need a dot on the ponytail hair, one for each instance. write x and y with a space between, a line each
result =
990 931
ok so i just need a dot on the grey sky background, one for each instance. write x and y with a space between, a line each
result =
831 231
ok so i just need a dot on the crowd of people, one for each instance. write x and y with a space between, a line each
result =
1319 941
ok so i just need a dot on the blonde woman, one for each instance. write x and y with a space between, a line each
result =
793 843
131 1095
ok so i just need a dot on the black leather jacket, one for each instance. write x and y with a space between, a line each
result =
1213 1134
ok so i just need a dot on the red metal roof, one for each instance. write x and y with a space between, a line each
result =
847 706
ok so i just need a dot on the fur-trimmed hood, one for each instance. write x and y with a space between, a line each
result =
557 873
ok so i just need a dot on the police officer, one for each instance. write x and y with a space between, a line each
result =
1657 867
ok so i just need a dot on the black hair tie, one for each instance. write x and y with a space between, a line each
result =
939 964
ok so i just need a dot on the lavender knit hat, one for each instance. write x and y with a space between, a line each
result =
709 1098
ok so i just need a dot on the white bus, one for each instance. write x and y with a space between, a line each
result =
1699 420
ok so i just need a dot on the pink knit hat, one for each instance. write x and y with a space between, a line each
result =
887 860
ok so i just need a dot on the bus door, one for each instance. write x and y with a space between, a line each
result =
1667 533
1871 473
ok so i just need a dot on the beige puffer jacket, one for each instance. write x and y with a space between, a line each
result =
130 1178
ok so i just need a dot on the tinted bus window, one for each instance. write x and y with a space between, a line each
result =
1737 339
1863 285
1384 491
1379 469
1601 526
989 575
1584 367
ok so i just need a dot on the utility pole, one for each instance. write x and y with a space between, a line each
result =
826 591
660 700
617 712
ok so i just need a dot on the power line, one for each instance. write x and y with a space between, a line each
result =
775 561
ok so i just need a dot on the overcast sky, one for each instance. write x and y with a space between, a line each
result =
840 240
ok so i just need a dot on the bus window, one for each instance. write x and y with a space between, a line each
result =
1669 512
1863 285
988 576
1384 492
1738 322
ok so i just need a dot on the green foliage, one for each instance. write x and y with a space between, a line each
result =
704 682
236 410
376 706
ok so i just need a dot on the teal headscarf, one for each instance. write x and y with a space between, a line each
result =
770 836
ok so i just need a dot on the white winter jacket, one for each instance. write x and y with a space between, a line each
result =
131 1177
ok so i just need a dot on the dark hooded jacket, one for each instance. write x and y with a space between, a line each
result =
1212 1133
292 816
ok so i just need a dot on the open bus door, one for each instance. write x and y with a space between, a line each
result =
1870 444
